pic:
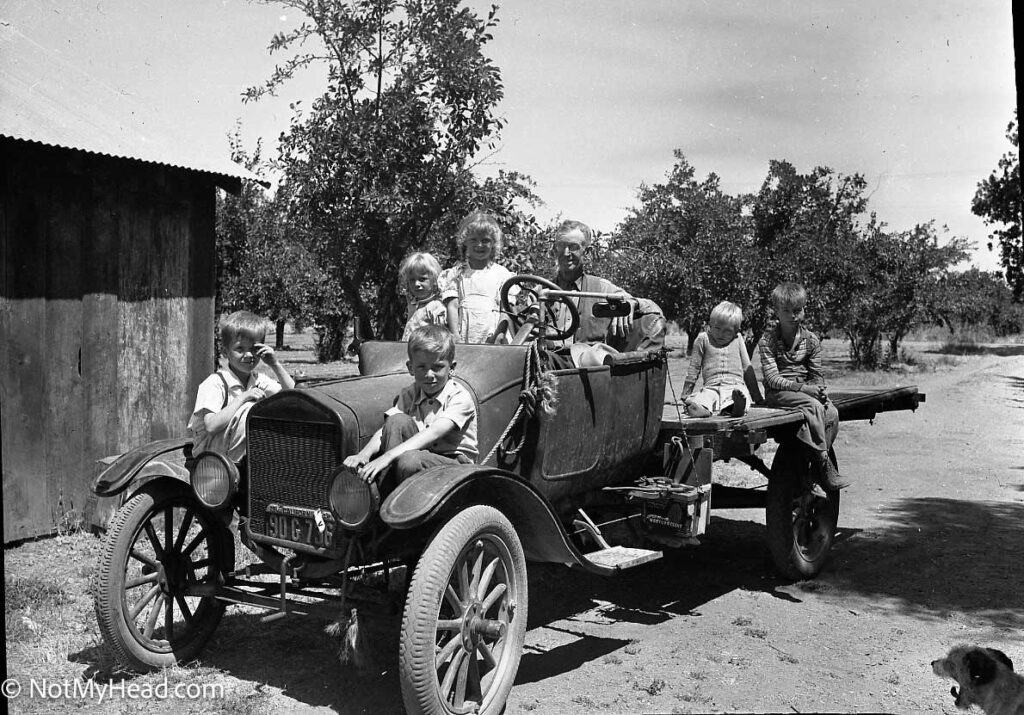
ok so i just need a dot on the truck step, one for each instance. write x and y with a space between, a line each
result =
622 557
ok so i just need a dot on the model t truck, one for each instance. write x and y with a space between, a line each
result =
580 468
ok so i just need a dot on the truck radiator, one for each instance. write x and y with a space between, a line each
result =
290 463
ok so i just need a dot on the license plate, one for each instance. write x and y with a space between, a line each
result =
300 526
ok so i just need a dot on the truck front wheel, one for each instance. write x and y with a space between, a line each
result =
163 557
465 617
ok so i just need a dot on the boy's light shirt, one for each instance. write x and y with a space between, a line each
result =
210 397
452 402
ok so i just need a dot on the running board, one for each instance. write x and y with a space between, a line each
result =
621 558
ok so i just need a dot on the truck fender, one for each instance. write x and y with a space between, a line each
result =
438 490
139 466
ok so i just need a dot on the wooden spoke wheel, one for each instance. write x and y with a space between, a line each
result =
163 557
465 617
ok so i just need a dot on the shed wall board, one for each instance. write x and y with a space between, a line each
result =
104 317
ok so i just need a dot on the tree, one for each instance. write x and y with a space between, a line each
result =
902 274
377 164
998 201
263 263
687 247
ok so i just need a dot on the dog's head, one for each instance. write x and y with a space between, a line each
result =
973 668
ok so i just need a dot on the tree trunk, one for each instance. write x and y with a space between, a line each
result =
330 338
279 337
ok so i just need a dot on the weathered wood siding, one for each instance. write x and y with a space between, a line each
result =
106 318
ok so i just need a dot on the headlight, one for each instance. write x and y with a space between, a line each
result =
214 479
352 500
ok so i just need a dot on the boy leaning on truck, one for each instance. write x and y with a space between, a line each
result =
432 422
225 397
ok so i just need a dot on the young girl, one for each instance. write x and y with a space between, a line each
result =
419 272
476 283
720 356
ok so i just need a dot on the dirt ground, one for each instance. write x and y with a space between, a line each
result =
928 556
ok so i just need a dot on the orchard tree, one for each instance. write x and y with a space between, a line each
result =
975 298
686 246
806 229
998 201
263 263
902 276
377 162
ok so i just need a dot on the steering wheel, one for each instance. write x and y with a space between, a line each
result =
539 314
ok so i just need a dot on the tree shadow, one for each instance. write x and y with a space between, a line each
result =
676 585
940 556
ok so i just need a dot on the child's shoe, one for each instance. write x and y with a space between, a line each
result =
828 476
739 404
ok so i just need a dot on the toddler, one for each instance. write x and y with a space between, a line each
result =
720 357
476 282
419 273
225 397
791 368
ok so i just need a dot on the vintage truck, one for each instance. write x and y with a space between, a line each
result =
582 465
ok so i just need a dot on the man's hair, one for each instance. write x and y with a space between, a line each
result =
569 226
419 262
789 295
432 339
727 312
481 222
242 323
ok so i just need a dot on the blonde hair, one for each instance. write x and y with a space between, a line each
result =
727 312
419 262
434 340
478 222
241 323
789 295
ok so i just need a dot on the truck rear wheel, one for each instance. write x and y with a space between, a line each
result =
800 526
161 548
465 617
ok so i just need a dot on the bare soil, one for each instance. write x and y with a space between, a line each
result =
928 556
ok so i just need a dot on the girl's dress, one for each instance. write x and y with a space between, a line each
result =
478 291
429 311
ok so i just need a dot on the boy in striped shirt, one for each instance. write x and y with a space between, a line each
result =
791 370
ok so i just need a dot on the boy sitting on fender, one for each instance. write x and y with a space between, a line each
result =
432 422
791 368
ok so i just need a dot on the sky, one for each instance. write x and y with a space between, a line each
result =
914 95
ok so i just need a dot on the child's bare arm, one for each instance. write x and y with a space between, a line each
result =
693 371
362 457
216 422
749 377
267 355
451 307
437 429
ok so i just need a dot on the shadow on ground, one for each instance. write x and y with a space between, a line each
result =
941 556
937 557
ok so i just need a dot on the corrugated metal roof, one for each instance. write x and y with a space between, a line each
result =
48 100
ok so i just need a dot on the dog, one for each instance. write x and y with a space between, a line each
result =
986 679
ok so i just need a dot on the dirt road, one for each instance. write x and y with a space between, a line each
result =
929 555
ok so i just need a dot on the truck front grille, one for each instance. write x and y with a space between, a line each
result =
290 463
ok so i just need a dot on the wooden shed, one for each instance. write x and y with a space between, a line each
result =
106 282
